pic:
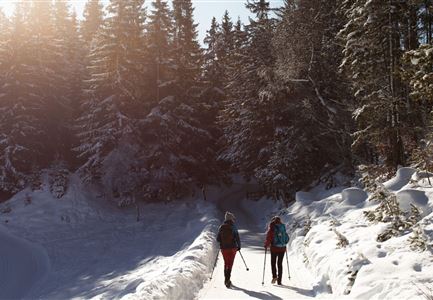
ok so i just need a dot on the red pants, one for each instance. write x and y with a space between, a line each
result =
229 257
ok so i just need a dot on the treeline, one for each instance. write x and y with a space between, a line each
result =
129 99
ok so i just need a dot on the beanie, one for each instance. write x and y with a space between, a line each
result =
229 216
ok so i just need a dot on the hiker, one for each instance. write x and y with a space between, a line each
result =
277 239
228 237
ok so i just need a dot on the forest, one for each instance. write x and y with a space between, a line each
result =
129 99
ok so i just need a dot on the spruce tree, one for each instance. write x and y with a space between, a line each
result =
107 129
21 133
246 117
158 33
179 152
213 69
93 19
315 138
373 38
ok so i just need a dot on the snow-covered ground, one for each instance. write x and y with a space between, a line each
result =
251 219
377 270
78 247
81 247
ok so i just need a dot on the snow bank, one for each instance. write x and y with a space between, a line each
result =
338 244
187 271
409 197
97 251
305 198
22 265
353 196
401 179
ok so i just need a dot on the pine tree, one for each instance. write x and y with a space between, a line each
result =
372 59
226 44
21 133
75 56
68 68
48 77
248 111
212 66
93 20
307 68
187 53
178 151
158 35
107 129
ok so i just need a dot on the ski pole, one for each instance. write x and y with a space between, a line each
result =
264 266
287 258
243 260
214 265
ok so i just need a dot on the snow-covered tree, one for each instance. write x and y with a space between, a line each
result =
374 36
248 112
179 147
113 96
21 133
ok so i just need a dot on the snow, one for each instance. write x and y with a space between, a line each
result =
24 265
400 180
353 196
79 246
82 247
409 197
251 218
363 268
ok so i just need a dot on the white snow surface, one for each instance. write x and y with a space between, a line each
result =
381 270
251 219
80 247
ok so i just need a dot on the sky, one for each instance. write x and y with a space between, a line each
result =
204 10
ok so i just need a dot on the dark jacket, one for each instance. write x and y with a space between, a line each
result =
270 237
234 242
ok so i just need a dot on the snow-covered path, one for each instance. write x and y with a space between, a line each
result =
248 284
22 264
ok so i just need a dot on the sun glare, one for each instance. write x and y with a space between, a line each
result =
7 6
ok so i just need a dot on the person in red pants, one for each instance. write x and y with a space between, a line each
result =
228 238
277 239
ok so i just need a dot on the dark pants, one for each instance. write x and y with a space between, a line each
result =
277 259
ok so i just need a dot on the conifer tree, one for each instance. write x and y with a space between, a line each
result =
247 112
178 150
371 60
212 66
107 128
93 19
21 133
158 32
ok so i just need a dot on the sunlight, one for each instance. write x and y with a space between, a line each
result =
7 6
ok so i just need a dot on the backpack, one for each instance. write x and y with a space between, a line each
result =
227 235
280 236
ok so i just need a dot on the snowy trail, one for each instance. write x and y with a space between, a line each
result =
22 264
248 284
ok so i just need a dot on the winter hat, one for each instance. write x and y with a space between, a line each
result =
229 216
276 219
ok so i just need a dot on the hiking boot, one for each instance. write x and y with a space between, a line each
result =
279 282
274 280
228 284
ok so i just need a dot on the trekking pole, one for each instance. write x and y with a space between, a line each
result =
243 260
214 265
264 266
287 258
